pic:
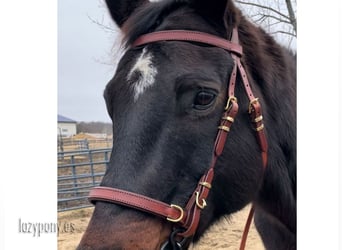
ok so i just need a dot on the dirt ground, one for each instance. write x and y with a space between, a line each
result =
224 235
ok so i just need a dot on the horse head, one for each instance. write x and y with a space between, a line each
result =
166 102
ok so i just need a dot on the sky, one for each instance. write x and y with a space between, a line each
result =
86 59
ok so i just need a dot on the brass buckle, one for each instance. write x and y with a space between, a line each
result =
230 99
204 203
251 104
180 216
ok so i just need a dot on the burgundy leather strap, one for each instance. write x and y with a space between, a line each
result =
254 108
232 81
138 202
188 35
255 112
202 191
227 120
246 229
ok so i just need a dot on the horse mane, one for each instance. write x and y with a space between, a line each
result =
146 18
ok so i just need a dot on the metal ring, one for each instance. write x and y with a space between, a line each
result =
172 243
180 216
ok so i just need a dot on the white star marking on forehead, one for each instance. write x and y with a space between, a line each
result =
147 72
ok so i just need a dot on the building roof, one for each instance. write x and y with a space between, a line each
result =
65 119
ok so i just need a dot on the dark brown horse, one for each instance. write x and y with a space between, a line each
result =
166 102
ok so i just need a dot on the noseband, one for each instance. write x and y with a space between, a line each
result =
187 218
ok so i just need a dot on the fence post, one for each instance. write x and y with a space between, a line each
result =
92 166
60 146
74 175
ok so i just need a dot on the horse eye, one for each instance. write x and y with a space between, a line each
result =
203 99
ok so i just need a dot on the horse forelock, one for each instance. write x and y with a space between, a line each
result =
147 18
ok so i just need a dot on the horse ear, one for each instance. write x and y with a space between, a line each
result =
219 11
120 10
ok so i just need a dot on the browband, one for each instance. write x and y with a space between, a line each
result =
191 36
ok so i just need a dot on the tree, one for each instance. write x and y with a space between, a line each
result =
277 17
94 127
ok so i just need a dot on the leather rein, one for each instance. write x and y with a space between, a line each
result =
188 217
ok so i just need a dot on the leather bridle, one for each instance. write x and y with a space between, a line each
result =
187 218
